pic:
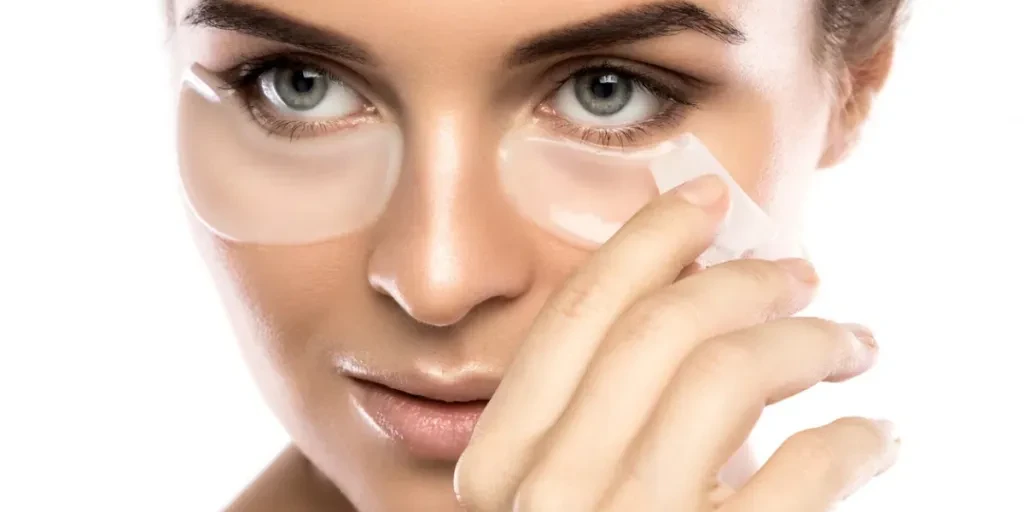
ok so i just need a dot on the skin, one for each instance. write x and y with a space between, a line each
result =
473 287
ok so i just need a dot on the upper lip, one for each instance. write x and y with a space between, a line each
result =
455 385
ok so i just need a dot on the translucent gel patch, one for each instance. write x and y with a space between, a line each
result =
585 194
249 186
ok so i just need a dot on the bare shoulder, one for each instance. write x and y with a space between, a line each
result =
290 483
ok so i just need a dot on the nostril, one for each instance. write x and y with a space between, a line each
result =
425 308
389 288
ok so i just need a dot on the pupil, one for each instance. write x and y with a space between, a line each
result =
605 87
604 93
295 89
303 83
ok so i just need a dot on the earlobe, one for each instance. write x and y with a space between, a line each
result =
856 88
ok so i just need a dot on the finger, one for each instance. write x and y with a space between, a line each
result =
724 385
638 359
817 468
648 253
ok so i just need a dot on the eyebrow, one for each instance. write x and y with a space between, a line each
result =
628 26
617 28
267 24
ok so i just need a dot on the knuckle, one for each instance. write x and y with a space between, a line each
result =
578 296
830 348
818 328
766 283
824 326
817 452
723 359
862 434
659 313
836 453
763 273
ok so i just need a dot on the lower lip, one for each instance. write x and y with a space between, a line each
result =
428 429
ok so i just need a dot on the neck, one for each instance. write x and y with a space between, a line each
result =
291 483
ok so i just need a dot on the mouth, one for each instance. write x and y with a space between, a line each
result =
430 418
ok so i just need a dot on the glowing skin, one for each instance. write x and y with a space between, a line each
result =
436 296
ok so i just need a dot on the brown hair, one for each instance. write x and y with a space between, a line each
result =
853 31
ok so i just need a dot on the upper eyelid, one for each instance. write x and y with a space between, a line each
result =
245 73
245 81
678 83
670 100
675 85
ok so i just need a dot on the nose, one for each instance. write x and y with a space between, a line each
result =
449 241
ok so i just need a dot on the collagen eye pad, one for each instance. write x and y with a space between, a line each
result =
585 194
248 185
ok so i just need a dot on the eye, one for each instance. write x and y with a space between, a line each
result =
606 98
306 92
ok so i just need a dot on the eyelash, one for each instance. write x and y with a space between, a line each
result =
678 104
244 78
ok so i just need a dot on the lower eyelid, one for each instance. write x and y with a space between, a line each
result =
658 128
295 127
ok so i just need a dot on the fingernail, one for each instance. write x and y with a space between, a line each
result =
863 357
801 269
889 428
703 191
863 334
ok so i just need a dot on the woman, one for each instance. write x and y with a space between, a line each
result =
630 375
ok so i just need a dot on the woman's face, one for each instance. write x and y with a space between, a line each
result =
435 295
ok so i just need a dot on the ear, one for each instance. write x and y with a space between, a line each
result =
856 88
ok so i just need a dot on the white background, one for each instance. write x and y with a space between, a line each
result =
119 380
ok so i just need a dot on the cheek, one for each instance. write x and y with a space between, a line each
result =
282 302
291 289
279 298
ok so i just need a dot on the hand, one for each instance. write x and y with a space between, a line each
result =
634 387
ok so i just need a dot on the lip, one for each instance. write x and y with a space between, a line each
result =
430 417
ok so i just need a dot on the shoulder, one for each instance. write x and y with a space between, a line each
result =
290 483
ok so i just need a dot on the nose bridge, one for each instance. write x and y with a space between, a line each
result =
449 241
